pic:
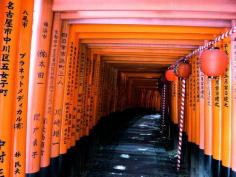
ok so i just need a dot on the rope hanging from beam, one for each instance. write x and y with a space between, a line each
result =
206 46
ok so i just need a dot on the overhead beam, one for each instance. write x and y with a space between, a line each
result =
154 87
141 55
151 46
146 36
144 49
149 14
141 62
143 74
135 68
145 54
141 51
102 28
132 70
154 21
143 41
143 80
138 58
140 67
170 5
135 59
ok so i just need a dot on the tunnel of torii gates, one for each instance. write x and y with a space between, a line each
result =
72 62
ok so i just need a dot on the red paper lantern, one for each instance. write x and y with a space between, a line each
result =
183 70
213 62
170 75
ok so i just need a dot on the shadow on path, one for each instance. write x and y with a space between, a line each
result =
133 149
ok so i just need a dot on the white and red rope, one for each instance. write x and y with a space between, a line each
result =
163 107
181 123
206 46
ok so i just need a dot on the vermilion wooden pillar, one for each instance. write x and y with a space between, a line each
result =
18 164
48 132
38 79
9 58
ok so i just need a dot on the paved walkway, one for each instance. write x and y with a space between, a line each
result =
136 152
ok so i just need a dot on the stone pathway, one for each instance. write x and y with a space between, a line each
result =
139 151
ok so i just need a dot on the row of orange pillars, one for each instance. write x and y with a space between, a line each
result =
46 110
53 92
176 98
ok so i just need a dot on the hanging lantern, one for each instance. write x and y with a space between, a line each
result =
213 62
183 70
170 75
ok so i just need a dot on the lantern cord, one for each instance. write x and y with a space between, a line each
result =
206 46
181 123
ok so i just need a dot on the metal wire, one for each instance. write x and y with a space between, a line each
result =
181 123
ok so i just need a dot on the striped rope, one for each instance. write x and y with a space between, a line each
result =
206 46
163 107
181 123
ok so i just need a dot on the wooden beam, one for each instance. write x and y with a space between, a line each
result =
102 28
141 55
149 14
142 62
143 41
146 36
144 46
157 59
143 74
138 57
155 5
154 21
134 59
141 50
